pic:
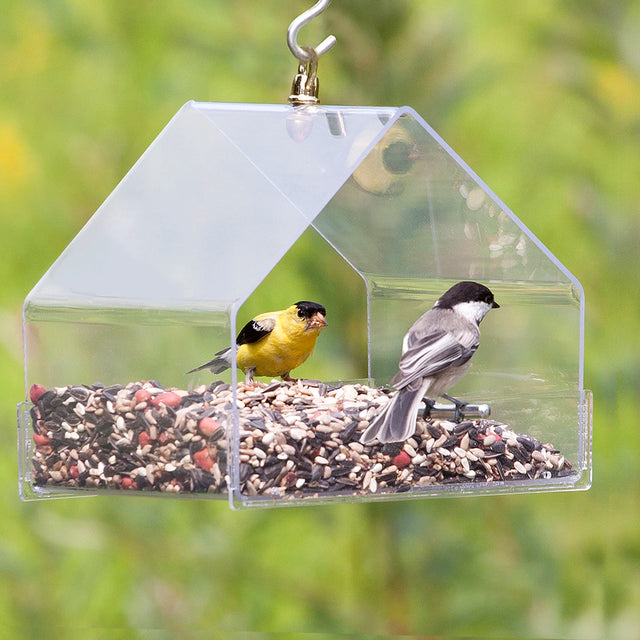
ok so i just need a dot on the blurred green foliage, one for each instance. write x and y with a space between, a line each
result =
542 99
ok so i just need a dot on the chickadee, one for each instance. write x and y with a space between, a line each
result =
274 343
436 353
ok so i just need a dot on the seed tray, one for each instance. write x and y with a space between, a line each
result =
295 440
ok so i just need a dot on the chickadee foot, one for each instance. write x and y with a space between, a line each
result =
460 406
428 405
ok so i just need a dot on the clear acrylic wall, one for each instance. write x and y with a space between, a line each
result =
439 223
157 276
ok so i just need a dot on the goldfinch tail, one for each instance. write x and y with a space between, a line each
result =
218 364
397 420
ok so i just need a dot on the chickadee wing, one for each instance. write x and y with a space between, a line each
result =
428 354
256 329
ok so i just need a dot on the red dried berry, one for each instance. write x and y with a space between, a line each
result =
202 459
141 395
167 398
144 438
126 483
40 439
35 392
73 471
208 426
290 479
401 460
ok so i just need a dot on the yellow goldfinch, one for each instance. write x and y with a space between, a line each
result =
274 343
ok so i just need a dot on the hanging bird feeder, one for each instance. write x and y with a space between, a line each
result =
156 281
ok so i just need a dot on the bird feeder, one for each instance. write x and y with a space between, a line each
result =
156 281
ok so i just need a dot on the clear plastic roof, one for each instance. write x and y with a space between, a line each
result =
210 207
226 189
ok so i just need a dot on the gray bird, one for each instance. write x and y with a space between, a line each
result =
436 353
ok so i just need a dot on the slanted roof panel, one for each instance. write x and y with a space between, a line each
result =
413 210
188 225
307 152
210 207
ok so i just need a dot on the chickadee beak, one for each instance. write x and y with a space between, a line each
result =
316 321
495 305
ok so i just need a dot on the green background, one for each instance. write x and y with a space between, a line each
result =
542 100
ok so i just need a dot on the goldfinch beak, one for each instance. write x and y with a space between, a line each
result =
316 321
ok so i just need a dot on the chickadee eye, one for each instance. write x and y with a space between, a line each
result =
300 313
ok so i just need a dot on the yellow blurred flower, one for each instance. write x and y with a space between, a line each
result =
16 163
620 89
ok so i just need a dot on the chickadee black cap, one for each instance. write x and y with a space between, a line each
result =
466 291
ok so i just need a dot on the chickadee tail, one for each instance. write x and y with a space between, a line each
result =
218 364
397 420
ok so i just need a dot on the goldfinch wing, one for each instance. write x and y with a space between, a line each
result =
256 329
429 354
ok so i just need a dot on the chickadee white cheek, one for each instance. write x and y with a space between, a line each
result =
472 311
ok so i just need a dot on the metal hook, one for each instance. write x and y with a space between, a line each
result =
301 21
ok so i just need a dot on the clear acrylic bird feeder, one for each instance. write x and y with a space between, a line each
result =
154 282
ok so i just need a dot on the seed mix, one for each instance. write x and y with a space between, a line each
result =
295 439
